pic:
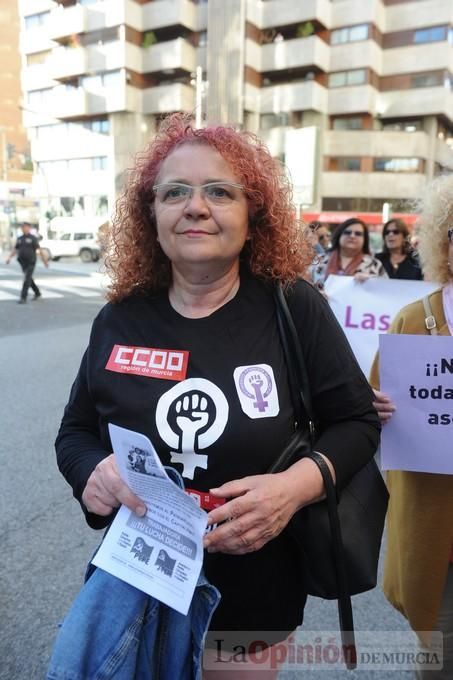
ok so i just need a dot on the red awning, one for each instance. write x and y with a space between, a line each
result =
370 218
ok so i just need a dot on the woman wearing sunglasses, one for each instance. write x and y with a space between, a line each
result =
204 231
349 255
418 573
398 256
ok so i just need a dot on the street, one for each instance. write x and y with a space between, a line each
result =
45 542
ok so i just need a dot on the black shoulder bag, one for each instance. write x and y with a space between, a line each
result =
340 537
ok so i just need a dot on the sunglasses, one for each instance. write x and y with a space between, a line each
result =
351 232
450 235
392 231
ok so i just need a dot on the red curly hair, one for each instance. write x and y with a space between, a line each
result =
279 247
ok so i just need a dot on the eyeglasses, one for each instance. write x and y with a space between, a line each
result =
321 237
215 193
351 232
450 235
392 231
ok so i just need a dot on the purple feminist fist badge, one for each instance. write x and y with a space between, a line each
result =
257 391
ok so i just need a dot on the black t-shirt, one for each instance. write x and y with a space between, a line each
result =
26 247
409 268
215 402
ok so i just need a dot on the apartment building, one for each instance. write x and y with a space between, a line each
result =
355 96
15 164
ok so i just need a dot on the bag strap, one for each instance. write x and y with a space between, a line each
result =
297 372
301 395
430 319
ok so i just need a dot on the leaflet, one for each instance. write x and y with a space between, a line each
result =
162 552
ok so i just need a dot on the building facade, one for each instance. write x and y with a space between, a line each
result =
355 96
15 163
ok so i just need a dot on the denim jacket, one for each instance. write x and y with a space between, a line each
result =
114 631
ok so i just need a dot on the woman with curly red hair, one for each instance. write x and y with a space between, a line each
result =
203 232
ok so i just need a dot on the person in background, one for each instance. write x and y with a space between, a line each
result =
26 248
349 255
397 256
203 232
321 237
418 570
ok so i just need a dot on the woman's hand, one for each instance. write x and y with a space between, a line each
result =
261 506
105 491
384 406
260 509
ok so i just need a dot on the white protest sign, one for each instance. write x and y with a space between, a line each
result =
417 372
365 310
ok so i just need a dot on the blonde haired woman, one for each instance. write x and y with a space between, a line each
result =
418 575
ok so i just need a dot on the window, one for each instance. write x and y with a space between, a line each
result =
271 120
100 126
101 80
403 125
428 80
348 123
345 78
396 165
99 163
37 58
348 164
349 34
433 34
36 99
36 20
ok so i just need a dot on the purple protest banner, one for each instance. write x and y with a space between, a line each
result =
417 373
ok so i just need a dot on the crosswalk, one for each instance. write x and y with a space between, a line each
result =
53 287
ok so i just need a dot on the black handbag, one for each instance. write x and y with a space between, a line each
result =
340 537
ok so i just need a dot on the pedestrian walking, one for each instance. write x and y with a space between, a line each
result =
26 249
203 233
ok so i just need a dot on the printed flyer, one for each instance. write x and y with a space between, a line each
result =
162 552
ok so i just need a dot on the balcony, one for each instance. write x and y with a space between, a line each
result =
376 143
407 16
355 12
73 103
422 101
307 95
64 22
362 54
373 184
417 58
68 62
352 99
280 12
36 77
161 13
67 21
300 52
168 98
173 54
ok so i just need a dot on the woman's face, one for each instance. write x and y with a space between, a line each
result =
393 237
352 239
200 225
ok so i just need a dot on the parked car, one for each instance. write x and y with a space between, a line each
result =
85 244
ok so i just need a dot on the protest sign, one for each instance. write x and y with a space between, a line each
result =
365 310
417 372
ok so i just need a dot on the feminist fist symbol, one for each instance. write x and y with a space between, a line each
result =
192 416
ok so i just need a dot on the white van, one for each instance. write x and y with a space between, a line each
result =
73 236
83 244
